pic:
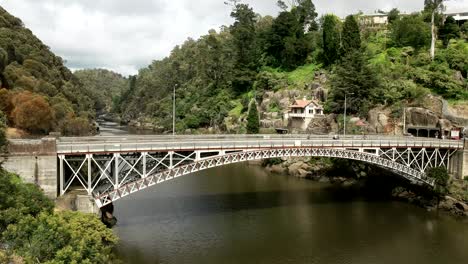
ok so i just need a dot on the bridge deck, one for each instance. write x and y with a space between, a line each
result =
113 144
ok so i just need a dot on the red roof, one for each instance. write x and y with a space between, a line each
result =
303 103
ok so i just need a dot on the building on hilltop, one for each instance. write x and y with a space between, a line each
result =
460 15
373 20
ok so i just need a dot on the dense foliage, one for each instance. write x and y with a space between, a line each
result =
218 75
107 86
27 65
29 228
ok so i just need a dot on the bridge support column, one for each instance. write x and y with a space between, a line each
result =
458 165
85 203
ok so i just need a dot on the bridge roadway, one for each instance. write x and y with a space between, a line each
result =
140 143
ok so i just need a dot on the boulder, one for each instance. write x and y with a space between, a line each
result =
461 206
444 124
293 169
301 173
277 169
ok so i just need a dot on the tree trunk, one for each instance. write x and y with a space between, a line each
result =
433 40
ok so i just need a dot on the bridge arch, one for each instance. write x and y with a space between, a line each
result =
199 164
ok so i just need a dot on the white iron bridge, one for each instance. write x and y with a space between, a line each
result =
110 168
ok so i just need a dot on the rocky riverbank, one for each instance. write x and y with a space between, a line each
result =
448 203
323 170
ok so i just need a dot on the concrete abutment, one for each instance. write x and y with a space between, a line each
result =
35 161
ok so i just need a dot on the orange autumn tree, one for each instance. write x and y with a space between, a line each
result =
32 113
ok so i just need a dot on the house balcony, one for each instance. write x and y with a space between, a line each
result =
297 115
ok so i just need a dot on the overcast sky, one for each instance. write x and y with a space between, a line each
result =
125 35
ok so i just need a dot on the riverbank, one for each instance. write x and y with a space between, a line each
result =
363 178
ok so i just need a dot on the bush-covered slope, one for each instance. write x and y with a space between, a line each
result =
33 78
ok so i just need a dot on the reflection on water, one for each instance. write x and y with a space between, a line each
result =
242 214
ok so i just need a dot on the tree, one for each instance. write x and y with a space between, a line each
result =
3 140
351 40
441 178
433 6
449 30
19 199
63 237
243 33
393 15
286 43
331 38
464 29
253 123
32 113
352 76
307 15
410 31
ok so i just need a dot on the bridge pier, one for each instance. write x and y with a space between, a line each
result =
459 162
35 161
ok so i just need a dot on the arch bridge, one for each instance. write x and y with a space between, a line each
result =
110 168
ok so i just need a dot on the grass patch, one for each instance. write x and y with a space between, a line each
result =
237 110
303 74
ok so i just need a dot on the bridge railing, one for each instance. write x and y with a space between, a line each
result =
146 138
200 143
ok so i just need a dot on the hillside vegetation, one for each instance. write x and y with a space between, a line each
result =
37 92
217 75
107 86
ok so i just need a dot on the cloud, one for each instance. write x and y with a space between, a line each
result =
125 35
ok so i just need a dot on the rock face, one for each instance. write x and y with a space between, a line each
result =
421 117
380 121
323 125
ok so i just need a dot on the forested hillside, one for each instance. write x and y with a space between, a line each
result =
107 86
218 75
37 92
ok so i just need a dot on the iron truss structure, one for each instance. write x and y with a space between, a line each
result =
111 176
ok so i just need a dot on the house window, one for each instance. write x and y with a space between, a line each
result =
311 111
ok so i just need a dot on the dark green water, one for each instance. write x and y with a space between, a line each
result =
242 214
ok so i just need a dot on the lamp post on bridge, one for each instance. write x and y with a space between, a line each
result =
344 120
173 111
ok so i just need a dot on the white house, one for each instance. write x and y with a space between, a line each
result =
302 112
305 109
459 14
374 19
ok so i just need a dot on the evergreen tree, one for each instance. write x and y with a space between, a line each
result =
411 31
393 15
351 39
353 77
243 33
253 122
449 30
331 38
287 45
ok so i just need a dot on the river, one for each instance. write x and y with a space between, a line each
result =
242 214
